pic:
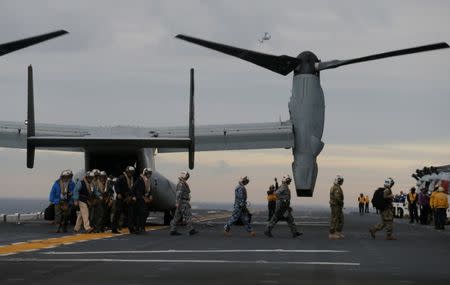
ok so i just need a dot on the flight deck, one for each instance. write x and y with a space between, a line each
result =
31 254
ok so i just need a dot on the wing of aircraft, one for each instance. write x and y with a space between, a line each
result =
94 141
207 137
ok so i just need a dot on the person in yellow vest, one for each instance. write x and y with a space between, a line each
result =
361 203
412 199
272 199
439 204
366 204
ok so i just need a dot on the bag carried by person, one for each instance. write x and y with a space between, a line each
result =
378 200
49 213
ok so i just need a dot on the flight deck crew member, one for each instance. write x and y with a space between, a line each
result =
439 203
123 187
240 210
424 202
80 197
283 209
183 206
412 199
366 203
61 196
387 213
107 194
138 195
361 203
271 199
336 204
95 203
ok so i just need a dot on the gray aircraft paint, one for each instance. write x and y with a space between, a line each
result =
307 112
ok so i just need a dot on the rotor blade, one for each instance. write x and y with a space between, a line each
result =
337 63
281 64
23 43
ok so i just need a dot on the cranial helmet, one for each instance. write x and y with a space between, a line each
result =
103 174
130 169
244 180
389 182
147 171
184 175
339 180
286 179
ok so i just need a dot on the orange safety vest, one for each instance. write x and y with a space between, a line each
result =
361 199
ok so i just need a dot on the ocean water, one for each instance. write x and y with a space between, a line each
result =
23 206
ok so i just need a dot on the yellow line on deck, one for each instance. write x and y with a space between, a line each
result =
77 238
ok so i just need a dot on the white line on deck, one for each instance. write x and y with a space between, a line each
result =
180 261
196 251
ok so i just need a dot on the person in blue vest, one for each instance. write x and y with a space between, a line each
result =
61 196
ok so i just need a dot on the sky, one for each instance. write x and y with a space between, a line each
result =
120 65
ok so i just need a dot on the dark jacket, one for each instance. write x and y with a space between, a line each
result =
83 192
121 186
138 190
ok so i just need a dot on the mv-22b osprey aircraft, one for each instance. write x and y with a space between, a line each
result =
113 148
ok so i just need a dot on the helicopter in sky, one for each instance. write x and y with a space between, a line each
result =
265 37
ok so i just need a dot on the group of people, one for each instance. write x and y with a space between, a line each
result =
433 206
103 202
279 199
363 204
107 203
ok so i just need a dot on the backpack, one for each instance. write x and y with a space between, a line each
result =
378 200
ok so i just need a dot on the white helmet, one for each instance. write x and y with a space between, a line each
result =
389 182
65 173
244 180
147 171
96 172
90 174
184 175
103 174
339 180
130 169
286 179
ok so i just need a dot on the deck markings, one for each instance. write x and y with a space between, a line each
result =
171 251
183 261
32 245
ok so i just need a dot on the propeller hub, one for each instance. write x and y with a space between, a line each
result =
308 61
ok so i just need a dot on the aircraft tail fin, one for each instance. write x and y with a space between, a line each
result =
191 122
31 129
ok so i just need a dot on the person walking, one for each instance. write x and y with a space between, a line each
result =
183 206
361 203
81 196
61 196
272 199
240 210
383 199
439 203
283 209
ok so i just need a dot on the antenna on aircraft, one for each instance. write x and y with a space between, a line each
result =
265 37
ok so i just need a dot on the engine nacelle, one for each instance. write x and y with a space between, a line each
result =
307 114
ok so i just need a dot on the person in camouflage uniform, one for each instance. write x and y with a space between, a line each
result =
387 214
240 210
283 209
183 206
336 205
